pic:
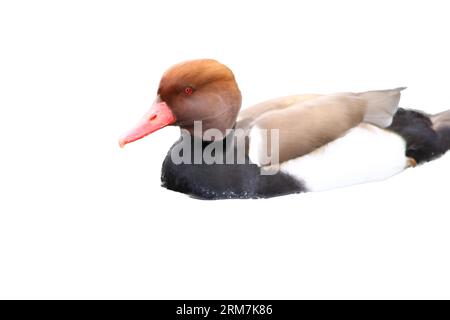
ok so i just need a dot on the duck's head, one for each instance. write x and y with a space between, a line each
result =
197 90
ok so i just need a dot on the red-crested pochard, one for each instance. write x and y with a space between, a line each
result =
286 145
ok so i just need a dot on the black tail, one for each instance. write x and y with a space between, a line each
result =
441 124
427 137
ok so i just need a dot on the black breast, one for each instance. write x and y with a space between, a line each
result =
224 181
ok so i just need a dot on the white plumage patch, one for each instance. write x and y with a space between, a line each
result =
258 139
366 153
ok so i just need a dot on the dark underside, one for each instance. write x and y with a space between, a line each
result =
224 181
242 181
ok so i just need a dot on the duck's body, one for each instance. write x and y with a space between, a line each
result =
365 154
322 141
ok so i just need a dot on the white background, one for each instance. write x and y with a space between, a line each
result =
81 218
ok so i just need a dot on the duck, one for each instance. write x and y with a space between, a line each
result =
292 144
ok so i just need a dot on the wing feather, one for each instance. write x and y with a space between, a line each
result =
307 122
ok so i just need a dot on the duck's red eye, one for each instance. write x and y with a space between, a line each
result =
188 91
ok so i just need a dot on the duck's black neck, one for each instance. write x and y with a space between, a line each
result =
219 151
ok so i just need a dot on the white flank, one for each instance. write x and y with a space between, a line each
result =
366 153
